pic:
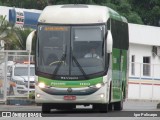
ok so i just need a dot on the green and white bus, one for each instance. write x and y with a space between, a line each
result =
81 57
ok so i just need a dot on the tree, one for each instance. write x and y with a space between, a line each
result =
22 35
5 32
149 10
15 38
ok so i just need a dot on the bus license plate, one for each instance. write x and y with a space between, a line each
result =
69 97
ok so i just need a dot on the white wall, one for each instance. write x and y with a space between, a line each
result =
144 34
143 92
141 51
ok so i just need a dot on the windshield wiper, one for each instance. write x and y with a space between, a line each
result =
80 67
63 58
74 59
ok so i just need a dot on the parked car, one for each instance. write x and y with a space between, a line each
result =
19 75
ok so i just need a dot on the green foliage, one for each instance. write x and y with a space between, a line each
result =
6 33
149 10
15 38
3 25
22 35
134 18
32 95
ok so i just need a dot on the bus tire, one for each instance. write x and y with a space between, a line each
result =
103 108
110 106
45 108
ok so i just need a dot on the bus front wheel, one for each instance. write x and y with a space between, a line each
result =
46 108
103 108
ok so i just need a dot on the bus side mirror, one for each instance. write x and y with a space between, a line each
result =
29 41
109 42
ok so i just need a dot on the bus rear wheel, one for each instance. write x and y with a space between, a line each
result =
103 108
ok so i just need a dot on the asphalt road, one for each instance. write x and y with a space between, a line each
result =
136 110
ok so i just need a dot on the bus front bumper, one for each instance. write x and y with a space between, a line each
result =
100 96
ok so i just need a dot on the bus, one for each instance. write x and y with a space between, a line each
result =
81 57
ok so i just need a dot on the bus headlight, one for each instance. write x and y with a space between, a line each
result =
38 95
102 95
98 85
41 85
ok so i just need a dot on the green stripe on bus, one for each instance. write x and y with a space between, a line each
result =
71 83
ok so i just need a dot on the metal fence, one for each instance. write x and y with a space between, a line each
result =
17 86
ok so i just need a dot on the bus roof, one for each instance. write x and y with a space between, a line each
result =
78 14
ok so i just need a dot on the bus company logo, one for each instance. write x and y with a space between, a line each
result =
69 90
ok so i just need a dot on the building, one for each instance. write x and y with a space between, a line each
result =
144 66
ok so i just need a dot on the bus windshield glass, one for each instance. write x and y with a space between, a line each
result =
70 50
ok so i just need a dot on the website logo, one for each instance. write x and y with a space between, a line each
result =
6 114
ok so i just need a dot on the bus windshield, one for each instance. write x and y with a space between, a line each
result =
70 50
